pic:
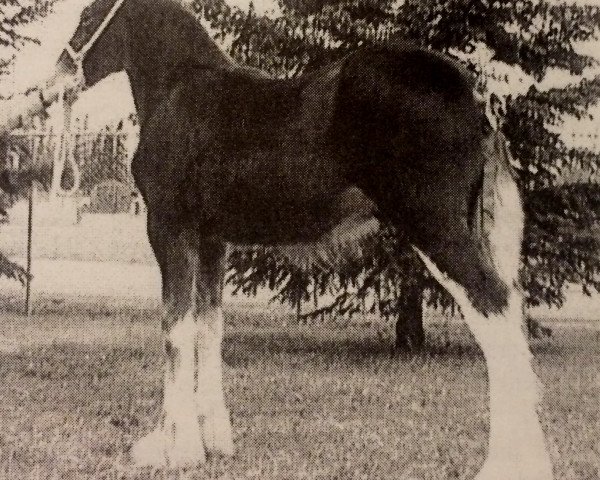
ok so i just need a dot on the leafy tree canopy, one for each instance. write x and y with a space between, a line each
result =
14 15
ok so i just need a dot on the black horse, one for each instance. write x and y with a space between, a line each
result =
392 134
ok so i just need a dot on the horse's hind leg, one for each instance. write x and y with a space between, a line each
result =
493 312
194 420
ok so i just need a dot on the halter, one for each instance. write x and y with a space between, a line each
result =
63 155
79 56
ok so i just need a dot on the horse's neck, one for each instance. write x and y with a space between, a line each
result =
157 54
147 93
149 89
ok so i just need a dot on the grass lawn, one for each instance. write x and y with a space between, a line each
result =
307 402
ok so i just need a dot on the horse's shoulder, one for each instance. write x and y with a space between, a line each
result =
187 110
194 98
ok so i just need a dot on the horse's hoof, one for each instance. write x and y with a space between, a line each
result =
148 451
161 449
514 470
217 435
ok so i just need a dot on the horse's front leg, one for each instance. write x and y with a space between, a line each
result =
194 420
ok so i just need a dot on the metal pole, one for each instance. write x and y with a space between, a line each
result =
35 142
29 248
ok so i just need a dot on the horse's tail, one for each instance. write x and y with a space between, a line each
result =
498 214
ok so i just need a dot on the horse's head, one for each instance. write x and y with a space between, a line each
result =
95 51
97 48
148 39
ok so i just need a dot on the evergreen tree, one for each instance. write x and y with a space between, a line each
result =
14 15
561 239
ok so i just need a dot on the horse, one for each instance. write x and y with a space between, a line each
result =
226 155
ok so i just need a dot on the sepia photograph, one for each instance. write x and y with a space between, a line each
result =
300 239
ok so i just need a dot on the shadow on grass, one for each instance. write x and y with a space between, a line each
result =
352 344
252 332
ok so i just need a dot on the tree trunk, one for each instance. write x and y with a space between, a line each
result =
410 335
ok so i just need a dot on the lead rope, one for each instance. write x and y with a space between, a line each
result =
64 154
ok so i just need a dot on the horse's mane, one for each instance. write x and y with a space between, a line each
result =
182 32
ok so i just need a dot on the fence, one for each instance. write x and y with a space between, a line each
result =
80 158
91 172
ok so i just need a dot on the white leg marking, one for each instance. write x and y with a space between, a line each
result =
195 419
517 449
506 233
209 394
177 440
516 446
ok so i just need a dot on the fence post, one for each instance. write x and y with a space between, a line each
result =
37 135
34 141
30 200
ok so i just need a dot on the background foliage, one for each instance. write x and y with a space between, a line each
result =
562 242
14 16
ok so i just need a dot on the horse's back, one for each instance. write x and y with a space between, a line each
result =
265 159
257 164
